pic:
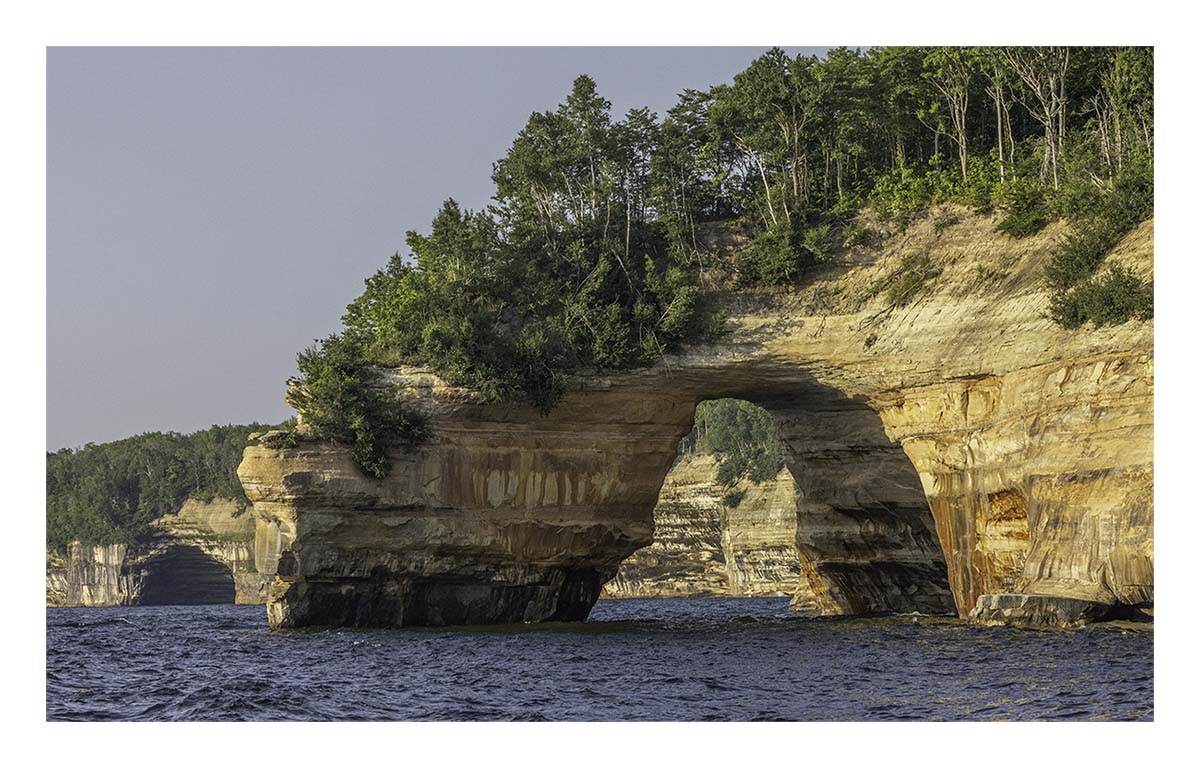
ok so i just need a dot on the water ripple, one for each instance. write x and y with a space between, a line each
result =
676 659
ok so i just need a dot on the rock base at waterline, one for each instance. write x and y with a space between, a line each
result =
1041 611
407 602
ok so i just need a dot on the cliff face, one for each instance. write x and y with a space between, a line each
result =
688 557
943 453
204 553
705 547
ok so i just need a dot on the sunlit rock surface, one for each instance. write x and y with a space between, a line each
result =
704 546
203 553
959 446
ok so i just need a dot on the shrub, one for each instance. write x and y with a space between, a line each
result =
1077 296
1081 253
818 241
1023 207
906 281
342 398
909 189
281 440
1113 298
772 258
856 235
849 205
903 189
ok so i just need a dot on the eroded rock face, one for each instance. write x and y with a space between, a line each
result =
778 540
204 553
959 446
688 557
705 547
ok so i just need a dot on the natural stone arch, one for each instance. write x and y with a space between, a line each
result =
1009 421
514 516
862 538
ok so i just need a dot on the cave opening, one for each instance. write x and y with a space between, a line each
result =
724 521
792 492
186 575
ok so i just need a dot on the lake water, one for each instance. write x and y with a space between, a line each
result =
666 659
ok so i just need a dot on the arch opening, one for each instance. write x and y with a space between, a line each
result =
798 493
186 575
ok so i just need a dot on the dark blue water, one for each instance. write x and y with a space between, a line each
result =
670 659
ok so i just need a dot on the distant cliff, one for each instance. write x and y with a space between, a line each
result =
705 546
206 552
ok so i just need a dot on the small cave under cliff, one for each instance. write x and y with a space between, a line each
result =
186 575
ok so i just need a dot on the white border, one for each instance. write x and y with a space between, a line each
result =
29 27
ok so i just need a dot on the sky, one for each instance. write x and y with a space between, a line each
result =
210 212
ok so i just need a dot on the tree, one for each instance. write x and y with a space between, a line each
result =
949 69
1043 71
764 114
999 89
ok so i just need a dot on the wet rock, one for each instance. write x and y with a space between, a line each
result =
1039 610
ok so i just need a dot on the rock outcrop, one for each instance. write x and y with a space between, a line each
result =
957 446
206 552
706 545
688 557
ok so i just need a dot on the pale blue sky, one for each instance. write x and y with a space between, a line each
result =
212 211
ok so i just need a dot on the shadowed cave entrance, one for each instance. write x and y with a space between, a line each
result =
186 575
814 502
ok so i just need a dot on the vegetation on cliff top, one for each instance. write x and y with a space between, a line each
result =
590 257
110 493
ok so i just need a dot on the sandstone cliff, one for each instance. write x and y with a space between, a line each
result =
957 447
688 557
203 553
704 546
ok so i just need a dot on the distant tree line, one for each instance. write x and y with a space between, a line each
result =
591 258
110 493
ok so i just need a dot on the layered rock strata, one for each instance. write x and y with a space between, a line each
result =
203 553
957 446
706 545
688 557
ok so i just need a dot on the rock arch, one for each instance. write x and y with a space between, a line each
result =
967 407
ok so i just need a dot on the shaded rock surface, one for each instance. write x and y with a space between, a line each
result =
203 553
704 546
1039 610
956 446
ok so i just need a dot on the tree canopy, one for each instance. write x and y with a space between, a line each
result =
742 435
590 259
110 493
